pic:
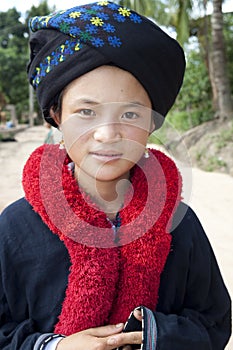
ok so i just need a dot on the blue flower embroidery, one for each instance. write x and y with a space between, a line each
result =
114 41
74 31
86 17
90 28
119 18
96 7
80 9
97 42
70 20
109 28
113 6
92 24
135 18
103 16
56 20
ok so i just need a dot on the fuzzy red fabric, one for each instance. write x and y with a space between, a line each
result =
108 278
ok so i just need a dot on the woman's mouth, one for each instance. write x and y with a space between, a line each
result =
106 156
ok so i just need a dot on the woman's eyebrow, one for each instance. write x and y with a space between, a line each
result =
133 103
91 102
87 101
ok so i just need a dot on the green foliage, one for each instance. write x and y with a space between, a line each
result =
180 120
14 55
150 8
158 137
13 59
13 79
182 24
10 25
225 137
214 163
193 105
41 10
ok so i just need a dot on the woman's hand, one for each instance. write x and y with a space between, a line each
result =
100 338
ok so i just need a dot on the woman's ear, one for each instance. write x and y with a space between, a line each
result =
152 126
55 116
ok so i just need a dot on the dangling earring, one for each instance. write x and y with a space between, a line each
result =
62 144
146 153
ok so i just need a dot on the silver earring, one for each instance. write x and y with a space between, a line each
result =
146 153
62 144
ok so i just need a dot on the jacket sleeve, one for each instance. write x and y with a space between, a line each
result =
14 335
28 310
194 309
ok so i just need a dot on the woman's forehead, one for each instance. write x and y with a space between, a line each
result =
107 84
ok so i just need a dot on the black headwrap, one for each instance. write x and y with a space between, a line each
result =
67 44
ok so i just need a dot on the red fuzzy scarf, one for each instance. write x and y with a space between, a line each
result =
107 280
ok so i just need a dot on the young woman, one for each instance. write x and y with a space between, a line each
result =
101 253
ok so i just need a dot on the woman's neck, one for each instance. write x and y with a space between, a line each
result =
107 195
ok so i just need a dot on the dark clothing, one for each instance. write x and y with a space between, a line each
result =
193 310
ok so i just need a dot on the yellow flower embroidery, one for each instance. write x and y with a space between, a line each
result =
103 3
46 19
97 21
77 47
75 14
48 61
124 11
61 59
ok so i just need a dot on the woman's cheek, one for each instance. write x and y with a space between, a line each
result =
74 137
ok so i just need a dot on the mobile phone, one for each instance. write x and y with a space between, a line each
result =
133 325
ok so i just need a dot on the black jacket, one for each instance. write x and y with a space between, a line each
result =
194 306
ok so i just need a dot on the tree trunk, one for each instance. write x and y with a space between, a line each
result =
218 58
213 83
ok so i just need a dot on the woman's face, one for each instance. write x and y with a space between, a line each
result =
105 121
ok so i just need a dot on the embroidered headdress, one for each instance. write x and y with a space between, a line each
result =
67 44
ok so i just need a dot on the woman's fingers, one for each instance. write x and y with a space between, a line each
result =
95 338
92 339
122 339
101 338
104 331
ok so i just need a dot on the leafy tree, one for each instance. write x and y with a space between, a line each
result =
14 55
41 10
193 105
13 58
10 26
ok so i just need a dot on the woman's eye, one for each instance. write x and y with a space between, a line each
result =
130 115
87 112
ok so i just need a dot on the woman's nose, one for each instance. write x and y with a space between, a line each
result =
108 133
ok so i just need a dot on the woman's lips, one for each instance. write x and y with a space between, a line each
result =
106 156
